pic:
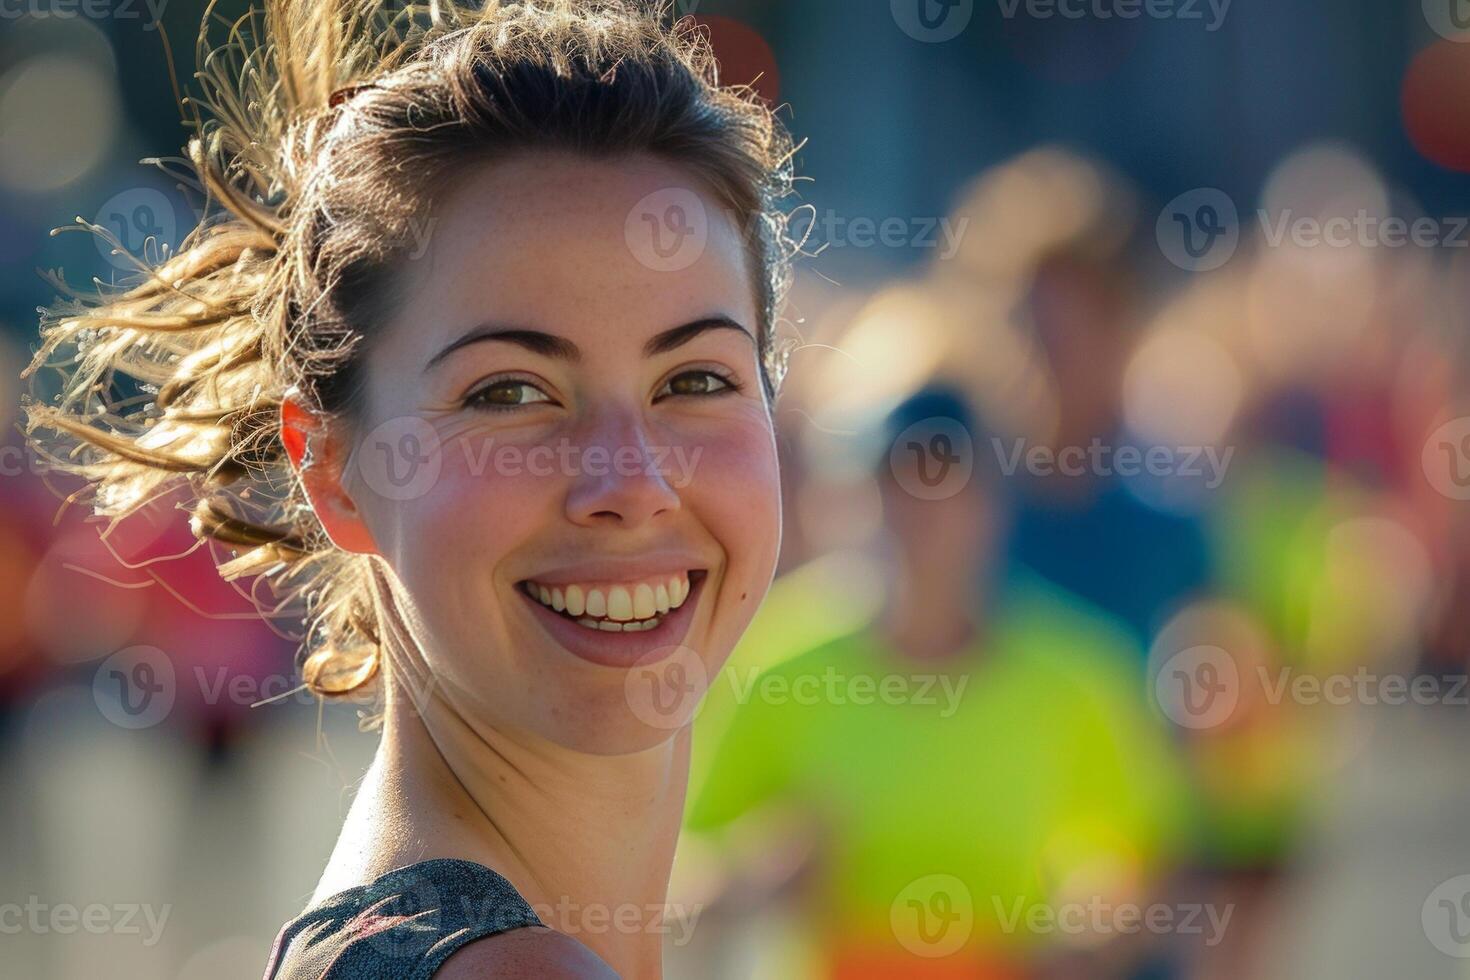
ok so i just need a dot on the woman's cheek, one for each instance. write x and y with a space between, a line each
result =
736 497
472 516
735 486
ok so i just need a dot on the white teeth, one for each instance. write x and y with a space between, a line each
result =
643 606
621 608
608 626
619 604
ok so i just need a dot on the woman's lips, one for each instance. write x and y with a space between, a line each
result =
601 634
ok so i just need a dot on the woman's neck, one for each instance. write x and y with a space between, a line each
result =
587 840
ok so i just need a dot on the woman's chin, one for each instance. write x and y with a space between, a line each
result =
619 721
643 687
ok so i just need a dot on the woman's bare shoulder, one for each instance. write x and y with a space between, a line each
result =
534 951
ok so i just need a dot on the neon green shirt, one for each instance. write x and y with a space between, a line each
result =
1010 769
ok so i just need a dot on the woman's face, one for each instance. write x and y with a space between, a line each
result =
565 453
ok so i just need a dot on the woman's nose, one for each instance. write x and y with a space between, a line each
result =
619 478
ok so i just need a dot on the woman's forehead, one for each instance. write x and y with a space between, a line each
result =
566 244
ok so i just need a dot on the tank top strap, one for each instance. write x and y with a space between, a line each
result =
405 924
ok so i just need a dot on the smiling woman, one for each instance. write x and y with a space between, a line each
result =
434 237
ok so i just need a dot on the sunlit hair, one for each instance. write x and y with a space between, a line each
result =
320 131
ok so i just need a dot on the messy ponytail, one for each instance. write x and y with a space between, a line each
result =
308 118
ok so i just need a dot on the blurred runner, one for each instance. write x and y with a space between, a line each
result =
965 774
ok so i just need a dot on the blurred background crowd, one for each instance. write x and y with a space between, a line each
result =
1123 617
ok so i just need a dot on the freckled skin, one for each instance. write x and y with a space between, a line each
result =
538 242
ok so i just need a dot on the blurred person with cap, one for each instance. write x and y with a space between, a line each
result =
959 768
1060 247
1087 530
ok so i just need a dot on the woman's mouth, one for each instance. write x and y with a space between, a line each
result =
617 623
628 607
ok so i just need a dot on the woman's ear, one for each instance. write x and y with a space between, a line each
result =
319 453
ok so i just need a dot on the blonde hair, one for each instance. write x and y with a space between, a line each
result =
312 113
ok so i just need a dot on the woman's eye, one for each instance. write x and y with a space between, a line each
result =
695 383
507 394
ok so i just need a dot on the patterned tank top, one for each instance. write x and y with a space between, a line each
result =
403 926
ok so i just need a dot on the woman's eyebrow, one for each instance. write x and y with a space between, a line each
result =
550 345
536 341
664 342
